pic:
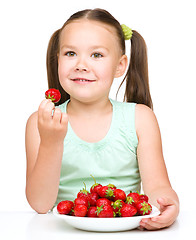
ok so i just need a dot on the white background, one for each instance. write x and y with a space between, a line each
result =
169 30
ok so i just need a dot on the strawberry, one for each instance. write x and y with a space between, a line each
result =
65 207
129 200
143 208
53 94
102 202
95 187
127 210
135 196
112 186
144 197
117 205
93 197
80 210
81 201
92 212
83 193
105 212
106 192
119 194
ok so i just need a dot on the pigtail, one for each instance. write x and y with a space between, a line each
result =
52 66
137 84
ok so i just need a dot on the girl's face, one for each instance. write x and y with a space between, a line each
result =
89 59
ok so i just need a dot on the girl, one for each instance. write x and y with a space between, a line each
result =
89 133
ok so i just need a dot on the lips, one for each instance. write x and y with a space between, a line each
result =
82 80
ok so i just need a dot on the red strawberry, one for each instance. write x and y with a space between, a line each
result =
135 196
143 208
95 187
117 205
144 197
81 201
93 197
112 186
80 210
106 192
119 194
92 212
129 200
105 212
102 202
128 210
64 207
83 193
53 94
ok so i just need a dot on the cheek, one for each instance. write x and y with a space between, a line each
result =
63 74
62 70
107 72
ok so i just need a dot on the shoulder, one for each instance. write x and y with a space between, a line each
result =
142 110
145 120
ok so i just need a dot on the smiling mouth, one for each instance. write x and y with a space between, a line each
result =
82 80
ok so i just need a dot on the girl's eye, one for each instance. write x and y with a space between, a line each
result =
70 54
97 55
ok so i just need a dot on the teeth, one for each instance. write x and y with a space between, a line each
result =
81 80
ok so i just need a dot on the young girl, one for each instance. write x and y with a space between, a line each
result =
89 133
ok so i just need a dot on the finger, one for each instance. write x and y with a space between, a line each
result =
42 107
47 112
151 225
64 119
57 115
166 218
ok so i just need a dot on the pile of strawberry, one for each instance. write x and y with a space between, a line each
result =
106 202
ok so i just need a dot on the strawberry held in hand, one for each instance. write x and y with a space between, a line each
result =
53 94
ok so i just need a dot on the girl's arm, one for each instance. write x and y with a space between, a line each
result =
153 171
44 148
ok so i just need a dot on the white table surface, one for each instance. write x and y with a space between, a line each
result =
30 225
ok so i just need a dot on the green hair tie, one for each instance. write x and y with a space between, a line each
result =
127 32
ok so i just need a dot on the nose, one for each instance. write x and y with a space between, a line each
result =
81 69
81 66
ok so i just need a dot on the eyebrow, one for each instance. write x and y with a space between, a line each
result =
91 48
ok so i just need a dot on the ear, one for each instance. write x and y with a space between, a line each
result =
122 65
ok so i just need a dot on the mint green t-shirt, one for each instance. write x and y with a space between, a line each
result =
111 160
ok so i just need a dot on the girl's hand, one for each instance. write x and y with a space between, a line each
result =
169 212
52 126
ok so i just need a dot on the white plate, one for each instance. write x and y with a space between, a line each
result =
105 224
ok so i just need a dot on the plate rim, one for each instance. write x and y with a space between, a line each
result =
117 224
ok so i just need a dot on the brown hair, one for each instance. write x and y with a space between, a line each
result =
137 84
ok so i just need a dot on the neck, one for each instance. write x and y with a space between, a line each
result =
88 109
